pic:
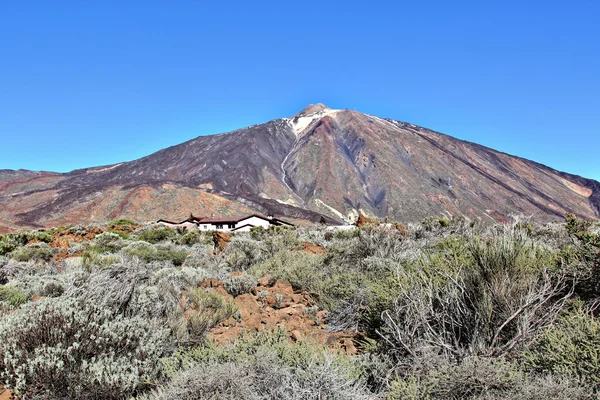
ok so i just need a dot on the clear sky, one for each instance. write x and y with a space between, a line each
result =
85 84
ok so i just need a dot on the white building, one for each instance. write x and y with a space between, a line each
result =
236 224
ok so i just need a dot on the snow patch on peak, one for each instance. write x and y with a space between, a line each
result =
302 121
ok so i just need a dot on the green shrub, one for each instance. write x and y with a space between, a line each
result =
148 252
194 236
491 302
42 236
300 269
34 252
109 241
121 234
570 347
8 243
124 224
60 348
346 234
131 287
12 296
156 235
239 284
431 223
198 314
267 366
483 379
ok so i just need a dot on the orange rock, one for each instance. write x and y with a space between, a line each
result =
282 288
221 240
264 281
6 394
402 229
362 221
258 316
296 335
313 248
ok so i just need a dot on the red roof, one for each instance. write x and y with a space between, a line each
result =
220 220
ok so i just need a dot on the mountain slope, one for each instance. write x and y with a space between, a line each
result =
319 162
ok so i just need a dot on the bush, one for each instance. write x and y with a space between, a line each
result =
61 348
242 253
10 242
483 379
109 241
198 312
193 237
570 347
12 296
11 269
239 284
133 288
491 302
467 380
156 235
148 252
267 366
122 223
258 380
34 252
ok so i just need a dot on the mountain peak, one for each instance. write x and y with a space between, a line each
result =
313 108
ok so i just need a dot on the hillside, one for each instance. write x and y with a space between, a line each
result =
319 162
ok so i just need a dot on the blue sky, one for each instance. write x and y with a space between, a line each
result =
93 84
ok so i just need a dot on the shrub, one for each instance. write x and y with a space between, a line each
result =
257 380
122 223
467 380
133 288
570 347
41 236
268 367
239 284
198 312
156 235
11 269
494 304
242 253
34 252
12 296
194 236
76 248
10 242
109 241
61 348
483 379
6 246
542 388
300 269
148 252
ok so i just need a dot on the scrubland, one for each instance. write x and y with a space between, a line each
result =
443 309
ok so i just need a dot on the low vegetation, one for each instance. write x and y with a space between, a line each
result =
445 309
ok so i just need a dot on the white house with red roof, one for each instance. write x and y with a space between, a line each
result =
230 224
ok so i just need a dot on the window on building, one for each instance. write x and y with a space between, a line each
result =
230 226
219 226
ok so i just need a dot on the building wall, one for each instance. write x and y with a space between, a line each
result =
213 227
254 221
244 229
